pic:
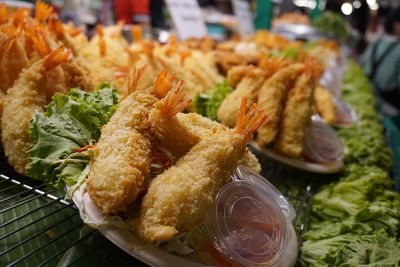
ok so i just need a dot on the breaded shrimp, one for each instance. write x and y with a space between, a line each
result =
121 160
179 132
27 96
101 54
15 55
297 112
325 104
249 87
271 97
178 198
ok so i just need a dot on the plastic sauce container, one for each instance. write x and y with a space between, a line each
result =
345 115
250 224
321 143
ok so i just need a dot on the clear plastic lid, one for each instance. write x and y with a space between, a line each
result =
321 143
247 174
345 115
248 225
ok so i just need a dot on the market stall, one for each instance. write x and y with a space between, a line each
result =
264 149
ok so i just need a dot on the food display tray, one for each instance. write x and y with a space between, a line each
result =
38 227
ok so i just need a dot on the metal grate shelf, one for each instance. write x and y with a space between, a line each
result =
38 227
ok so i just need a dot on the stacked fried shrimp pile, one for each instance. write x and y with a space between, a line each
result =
36 62
205 154
40 56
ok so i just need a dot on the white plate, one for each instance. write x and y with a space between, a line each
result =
301 164
120 235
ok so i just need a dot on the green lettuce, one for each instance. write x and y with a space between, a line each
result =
69 121
352 249
207 104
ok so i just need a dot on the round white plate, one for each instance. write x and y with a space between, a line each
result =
301 164
118 233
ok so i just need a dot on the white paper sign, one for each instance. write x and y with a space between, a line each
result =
187 18
244 17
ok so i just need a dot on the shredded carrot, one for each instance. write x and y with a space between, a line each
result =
85 148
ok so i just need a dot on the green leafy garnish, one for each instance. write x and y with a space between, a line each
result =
70 121
207 104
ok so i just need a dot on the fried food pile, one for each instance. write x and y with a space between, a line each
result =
282 77
41 57
204 154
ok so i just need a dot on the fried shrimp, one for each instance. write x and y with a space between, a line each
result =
249 87
325 104
179 132
297 111
271 97
122 156
27 96
178 198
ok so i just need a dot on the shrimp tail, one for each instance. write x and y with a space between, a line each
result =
20 16
163 84
7 43
3 13
133 80
271 64
102 41
174 102
248 122
43 11
40 41
57 57
136 32
56 27
313 67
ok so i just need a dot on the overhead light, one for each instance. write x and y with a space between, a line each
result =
305 3
356 4
347 8
374 6
371 2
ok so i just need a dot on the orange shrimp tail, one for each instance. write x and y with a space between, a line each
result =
57 57
7 43
163 84
172 44
20 16
136 32
314 67
43 11
148 48
271 64
56 27
248 122
121 71
102 42
174 102
40 42
3 13
184 55
133 80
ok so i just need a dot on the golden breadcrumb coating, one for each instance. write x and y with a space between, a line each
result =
178 198
30 93
271 98
325 104
296 117
121 160
249 87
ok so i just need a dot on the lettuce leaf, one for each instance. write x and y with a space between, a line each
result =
207 104
69 121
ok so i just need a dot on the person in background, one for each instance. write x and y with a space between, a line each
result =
132 11
381 62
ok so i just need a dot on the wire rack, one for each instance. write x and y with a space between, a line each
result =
38 227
